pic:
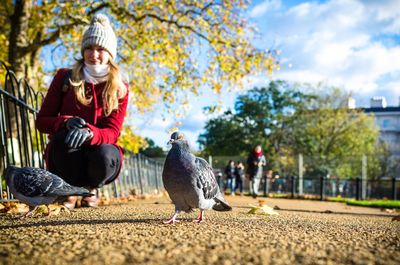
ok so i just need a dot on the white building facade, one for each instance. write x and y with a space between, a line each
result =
387 118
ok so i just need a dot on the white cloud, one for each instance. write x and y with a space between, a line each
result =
337 42
264 7
393 87
388 13
156 123
158 129
343 43
194 121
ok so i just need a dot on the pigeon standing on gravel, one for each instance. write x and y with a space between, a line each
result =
190 181
36 186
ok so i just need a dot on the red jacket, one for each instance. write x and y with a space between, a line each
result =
59 105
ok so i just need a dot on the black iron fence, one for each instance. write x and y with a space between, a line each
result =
290 184
22 145
324 187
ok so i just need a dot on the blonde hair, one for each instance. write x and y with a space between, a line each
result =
114 89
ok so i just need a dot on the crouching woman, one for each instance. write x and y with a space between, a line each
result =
83 112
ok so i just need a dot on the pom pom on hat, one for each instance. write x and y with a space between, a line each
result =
100 18
100 33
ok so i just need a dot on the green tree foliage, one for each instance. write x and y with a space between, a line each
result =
261 116
151 149
332 137
223 136
382 163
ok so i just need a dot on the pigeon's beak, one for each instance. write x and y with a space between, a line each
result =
171 141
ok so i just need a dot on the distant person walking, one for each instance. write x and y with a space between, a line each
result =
230 176
239 174
255 163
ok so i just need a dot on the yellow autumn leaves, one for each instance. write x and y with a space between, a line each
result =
170 50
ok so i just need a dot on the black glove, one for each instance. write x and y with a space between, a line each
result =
75 122
76 137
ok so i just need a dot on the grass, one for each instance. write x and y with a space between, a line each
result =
392 204
389 204
376 203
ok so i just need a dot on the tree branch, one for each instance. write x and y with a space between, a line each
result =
50 38
123 11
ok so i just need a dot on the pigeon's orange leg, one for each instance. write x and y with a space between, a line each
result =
200 219
172 220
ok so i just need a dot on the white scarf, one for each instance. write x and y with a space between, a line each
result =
96 73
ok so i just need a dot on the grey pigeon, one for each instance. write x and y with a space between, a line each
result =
190 181
36 186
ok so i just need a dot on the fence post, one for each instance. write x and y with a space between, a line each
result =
293 190
300 174
265 186
357 188
156 174
115 188
364 178
139 167
394 195
159 176
322 188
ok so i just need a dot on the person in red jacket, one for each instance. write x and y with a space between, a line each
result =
83 113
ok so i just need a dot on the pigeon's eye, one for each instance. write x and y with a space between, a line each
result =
180 136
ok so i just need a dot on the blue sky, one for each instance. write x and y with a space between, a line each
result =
350 44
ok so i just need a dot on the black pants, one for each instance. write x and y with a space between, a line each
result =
239 184
87 166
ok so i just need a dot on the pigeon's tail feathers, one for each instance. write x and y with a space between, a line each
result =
74 191
81 192
61 188
221 205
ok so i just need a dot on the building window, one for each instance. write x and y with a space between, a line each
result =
386 123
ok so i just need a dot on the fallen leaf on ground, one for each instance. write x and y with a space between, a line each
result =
262 210
57 208
15 207
262 202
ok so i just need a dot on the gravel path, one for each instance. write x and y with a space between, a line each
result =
133 233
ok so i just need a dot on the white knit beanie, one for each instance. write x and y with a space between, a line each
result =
100 33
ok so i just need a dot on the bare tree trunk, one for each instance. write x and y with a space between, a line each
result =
18 58
18 37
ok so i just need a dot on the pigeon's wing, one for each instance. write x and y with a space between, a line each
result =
31 182
205 178
61 188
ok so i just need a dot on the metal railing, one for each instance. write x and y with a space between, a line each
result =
22 145
324 187
291 183
139 175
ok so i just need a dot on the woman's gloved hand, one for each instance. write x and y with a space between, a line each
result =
76 137
75 122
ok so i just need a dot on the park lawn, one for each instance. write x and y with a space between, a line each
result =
368 203
389 204
376 203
